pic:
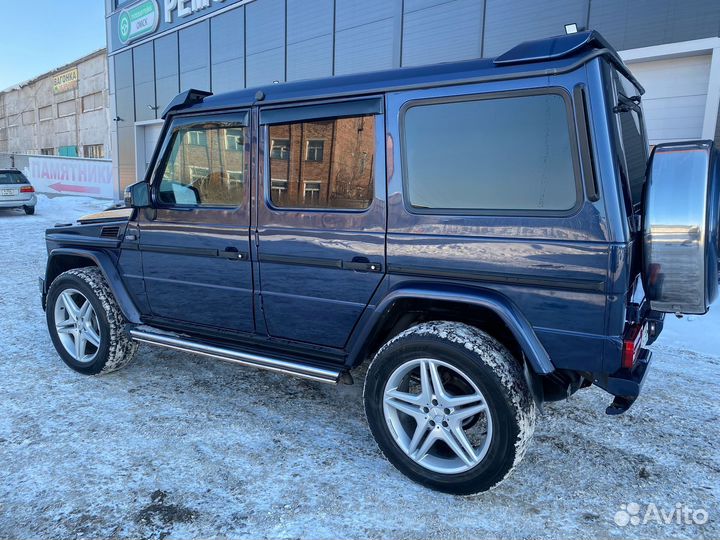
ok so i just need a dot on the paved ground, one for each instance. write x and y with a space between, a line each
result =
179 446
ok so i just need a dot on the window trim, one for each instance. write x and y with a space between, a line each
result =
580 198
238 118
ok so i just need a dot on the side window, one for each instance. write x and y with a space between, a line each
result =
206 166
323 163
494 154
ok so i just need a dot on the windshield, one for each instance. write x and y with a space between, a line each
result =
12 177
634 147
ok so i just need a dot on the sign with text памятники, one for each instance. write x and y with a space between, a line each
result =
71 176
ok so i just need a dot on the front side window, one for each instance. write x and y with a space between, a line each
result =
509 154
323 164
202 169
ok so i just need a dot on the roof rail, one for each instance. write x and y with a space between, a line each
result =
184 100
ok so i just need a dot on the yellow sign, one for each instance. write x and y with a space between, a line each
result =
67 80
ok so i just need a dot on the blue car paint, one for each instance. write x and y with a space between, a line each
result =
559 282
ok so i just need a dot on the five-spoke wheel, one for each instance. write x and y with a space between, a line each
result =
449 406
437 415
77 325
86 324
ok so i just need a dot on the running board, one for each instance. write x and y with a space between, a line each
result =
174 341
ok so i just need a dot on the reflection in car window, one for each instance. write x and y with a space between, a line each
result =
502 154
323 164
206 166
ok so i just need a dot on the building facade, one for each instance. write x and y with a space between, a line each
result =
64 112
157 48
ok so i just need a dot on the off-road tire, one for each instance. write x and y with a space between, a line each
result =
491 367
29 210
116 349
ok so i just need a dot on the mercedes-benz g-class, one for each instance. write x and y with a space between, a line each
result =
488 234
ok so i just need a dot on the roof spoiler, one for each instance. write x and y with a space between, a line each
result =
562 46
184 100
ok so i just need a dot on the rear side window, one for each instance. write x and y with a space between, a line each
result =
322 164
490 155
12 177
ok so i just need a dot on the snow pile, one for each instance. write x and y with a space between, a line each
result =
181 446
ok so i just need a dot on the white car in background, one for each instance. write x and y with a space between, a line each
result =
16 191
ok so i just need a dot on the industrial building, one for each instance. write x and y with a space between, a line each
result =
159 48
60 113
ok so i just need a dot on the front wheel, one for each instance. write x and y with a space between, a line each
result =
449 406
86 324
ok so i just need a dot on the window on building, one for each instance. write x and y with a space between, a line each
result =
278 188
28 118
45 113
92 102
47 151
505 154
201 171
235 176
66 108
234 140
3 134
199 174
197 138
314 150
68 151
341 178
279 148
96 151
311 193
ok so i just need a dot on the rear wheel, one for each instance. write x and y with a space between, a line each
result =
86 324
29 210
449 407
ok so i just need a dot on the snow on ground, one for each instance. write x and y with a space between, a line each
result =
182 446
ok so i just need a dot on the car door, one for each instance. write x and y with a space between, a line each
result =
321 217
194 242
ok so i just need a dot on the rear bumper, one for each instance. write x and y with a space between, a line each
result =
626 384
18 203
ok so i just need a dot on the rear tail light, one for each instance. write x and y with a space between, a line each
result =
27 189
631 346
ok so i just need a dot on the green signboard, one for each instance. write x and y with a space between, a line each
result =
137 20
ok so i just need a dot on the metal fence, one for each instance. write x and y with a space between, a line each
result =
57 175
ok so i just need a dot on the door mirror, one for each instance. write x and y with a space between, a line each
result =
137 195
180 194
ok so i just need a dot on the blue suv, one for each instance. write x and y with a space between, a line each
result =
488 235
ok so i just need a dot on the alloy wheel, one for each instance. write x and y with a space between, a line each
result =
437 416
77 325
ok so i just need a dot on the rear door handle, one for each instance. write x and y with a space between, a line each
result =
233 254
362 266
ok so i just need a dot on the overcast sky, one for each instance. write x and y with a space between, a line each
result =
39 35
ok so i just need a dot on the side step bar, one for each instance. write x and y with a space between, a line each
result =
174 341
